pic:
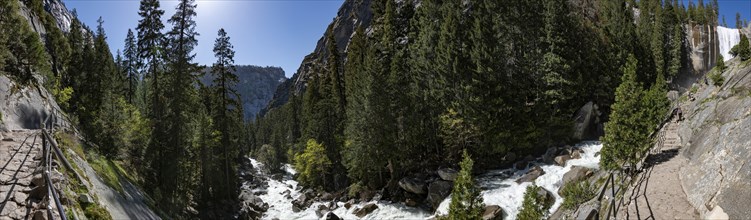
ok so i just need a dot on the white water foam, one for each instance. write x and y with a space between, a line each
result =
727 38
499 188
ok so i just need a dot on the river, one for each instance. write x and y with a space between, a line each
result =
499 188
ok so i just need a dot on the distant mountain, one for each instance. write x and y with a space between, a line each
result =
256 87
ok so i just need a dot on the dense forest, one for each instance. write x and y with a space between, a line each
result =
427 84
425 81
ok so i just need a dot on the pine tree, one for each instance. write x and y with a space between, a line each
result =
466 201
626 132
226 111
131 62
150 48
676 49
738 21
180 78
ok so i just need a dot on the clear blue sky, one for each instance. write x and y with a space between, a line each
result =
264 32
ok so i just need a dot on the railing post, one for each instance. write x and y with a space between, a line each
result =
612 189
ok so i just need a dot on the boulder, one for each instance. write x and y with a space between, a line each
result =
547 196
532 175
561 160
85 198
577 153
437 192
332 216
493 212
447 174
410 202
321 210
549 155
257 204
365 210
301 203
588 211
327 196
349 203
413 185
575 174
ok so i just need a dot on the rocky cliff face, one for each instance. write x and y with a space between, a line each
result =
716 139
56 8
352 13
256 87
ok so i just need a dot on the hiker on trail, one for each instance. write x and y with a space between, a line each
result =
679 113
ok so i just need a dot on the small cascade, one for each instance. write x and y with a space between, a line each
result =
727 37
499 188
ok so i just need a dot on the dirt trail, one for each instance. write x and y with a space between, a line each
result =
657 192
132 206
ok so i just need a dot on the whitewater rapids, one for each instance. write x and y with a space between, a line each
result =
499 189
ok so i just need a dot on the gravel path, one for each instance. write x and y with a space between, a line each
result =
132 206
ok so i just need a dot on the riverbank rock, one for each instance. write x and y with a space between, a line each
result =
575 174
588 211
365 210
532 175
332 216
413 185
550 154
301 203
561 160
437 192
448 174
493 212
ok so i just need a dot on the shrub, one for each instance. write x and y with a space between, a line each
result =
534 206
466 201
312 163
577 192
717 79
96 212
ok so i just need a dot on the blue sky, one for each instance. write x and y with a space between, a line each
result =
264 32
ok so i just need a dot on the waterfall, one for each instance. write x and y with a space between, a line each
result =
727 37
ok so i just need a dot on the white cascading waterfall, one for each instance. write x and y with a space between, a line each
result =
727 37
498 189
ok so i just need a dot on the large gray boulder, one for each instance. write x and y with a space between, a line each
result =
447 174
493 212
561 160
413 185
588 211
550 154
532 175
438 191
575 174
365 210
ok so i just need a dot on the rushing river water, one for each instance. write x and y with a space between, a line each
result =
499 188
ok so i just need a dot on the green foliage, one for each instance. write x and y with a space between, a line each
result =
742 49
268 156
576 193
625 133
63 96
534 206
466 201
106 170
312 164
717 78
96 212
720 66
